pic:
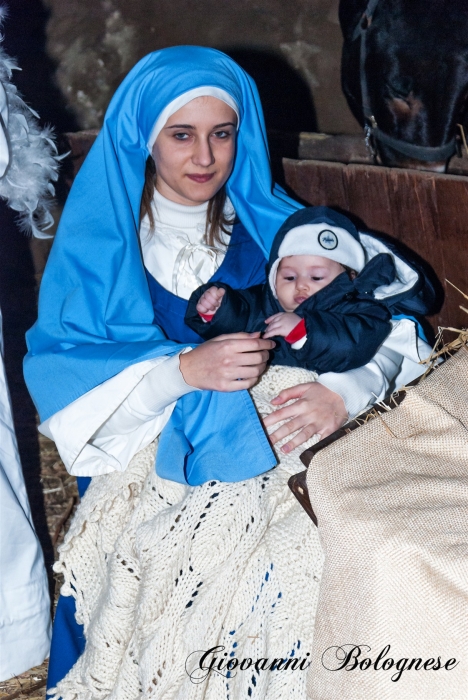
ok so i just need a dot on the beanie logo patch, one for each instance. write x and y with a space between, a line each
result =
327 239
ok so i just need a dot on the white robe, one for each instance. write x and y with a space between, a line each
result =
25 626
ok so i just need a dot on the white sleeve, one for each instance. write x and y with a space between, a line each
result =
102 430
396 363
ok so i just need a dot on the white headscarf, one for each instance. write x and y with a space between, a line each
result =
182 100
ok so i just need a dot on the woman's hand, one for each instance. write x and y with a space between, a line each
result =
318 410
226 363
210 301
281 324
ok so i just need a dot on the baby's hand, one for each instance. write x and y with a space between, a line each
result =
210 301
281 324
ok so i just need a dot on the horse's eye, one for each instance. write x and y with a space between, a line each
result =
399 87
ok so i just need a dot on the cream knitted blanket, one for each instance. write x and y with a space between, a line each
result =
161 571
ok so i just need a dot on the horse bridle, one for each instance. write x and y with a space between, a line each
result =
372 132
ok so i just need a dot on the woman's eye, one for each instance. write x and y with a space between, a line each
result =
222 134
181 136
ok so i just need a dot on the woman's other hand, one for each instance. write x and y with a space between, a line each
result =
226 363
210 301
281 324
317 410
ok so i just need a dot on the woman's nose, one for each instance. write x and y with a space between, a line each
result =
203 154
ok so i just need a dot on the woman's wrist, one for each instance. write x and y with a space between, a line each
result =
356 389
159 388
335 397
183 383
186 369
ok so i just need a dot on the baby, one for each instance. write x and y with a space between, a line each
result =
297 278
319 299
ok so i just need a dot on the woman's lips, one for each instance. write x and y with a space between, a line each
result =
201 178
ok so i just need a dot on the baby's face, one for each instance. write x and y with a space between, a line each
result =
301 276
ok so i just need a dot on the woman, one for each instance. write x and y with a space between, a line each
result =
110 356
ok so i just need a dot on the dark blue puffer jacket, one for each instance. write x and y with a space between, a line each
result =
346 321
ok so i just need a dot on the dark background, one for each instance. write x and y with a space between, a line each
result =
74 53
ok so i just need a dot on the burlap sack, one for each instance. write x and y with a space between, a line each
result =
392 505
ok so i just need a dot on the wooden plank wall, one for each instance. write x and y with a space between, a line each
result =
428 212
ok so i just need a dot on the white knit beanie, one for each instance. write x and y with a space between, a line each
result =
324 240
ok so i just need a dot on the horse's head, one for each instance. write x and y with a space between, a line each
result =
413 63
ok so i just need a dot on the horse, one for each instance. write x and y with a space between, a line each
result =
404 73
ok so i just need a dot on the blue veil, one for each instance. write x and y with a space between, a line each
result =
95 310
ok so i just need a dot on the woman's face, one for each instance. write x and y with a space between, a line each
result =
194 152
